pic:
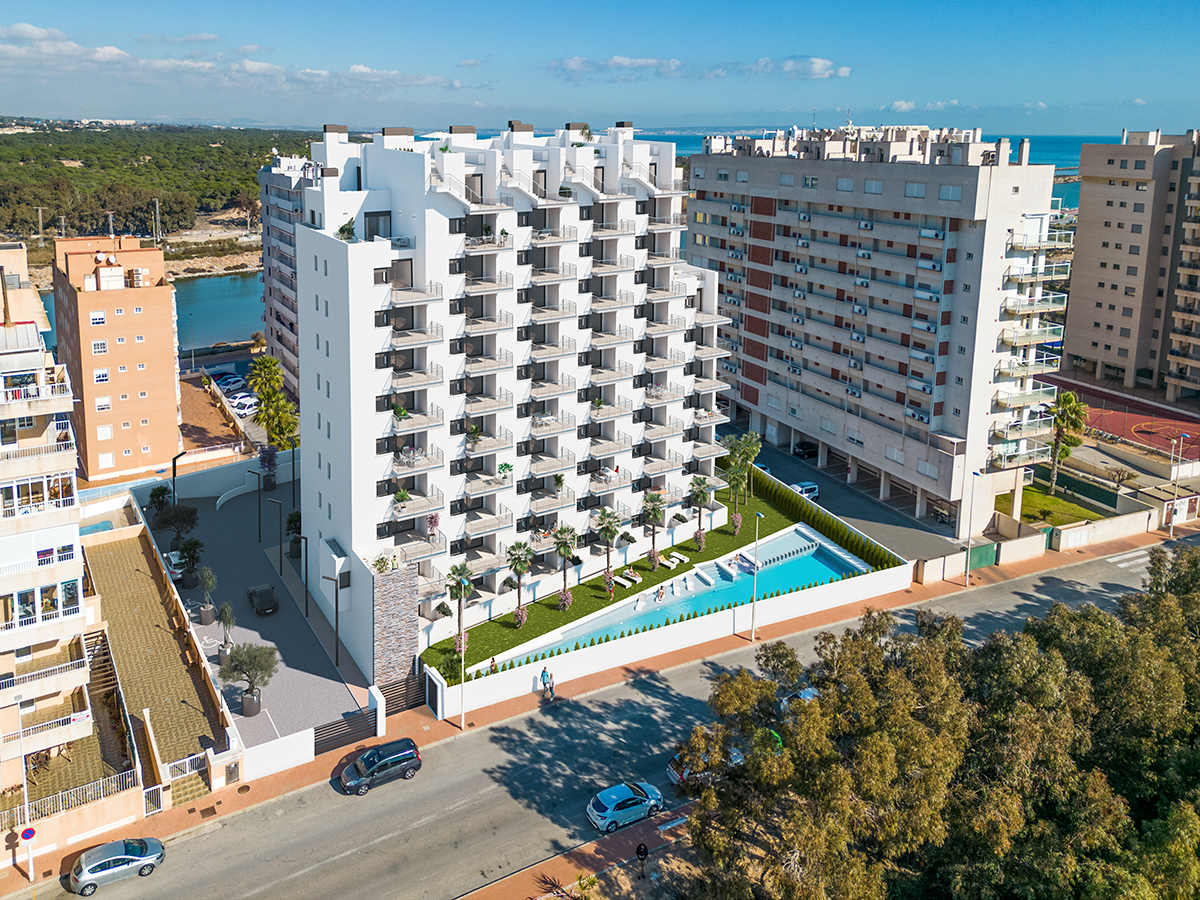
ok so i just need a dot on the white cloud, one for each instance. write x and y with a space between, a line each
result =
1038 105
360 74
661 66
843 72
109 54
469 63
812 67
196 38
22 31
253 50
311 75
716 72
1138 101
765 64
941 105
254 67
478 104
176 65
903 106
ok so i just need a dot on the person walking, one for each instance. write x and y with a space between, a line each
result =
493 668
545 682
551 685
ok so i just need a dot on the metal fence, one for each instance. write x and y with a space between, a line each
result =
74 798
182 768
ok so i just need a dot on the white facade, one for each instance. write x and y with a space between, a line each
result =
281 186
885 287
456 346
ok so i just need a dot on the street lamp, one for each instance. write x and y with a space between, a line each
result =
337 640
970 520
293 440
24 779
174 463
465 584
304 538
192 322
758 517
1175 472
280 505
258 475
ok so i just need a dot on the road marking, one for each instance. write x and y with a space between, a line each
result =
1140 561
1131 553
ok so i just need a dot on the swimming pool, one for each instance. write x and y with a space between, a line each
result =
688 593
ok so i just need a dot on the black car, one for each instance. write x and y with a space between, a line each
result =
399 759
263 599
806 450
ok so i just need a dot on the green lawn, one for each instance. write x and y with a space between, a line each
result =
500 635
1038 506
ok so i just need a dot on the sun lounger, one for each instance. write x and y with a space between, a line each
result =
669 563
680 558
617 579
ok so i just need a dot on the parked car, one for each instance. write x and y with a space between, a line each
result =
263 599
807 489
762 469
224 376
806 450
624 803
246 407
174 562
678 772
801 696
387 762
236 383
115 861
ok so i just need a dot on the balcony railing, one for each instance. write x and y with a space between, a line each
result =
479 484
669 292
35 507
39 450
564 235
548 501
411 460
407 295
1050 301
674 359
563 309
1059 271
481 365
608 480
481 522
490 243
606 411
659 432
477 325
1054 240
614 229
36 392
602 447
548 463
613 266
667 223
417 337
603 375
710 416
1004 457
622 335
490 443
417 420
1023 337
479 404
655 465
619 300
552 274
702 450
661 394
543 389
1042 393
665 257
1039 365
703 385
418 504
415 546
408 379
716 350
553 349
489 284
1011 431
673 325
546 424
14 681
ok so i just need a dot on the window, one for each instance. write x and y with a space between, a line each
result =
810 181
118 311
97 316
1131 270
785 180
141 395
962 349
145 449
125 425
957 411
104 432
1111 183
122 369
326 266
127 453
99 348
914 189
845 184
966 289
1141 186
958 379
137 310
1129 292
963 319
699 173
743 176
1111 161
1108 203
950 192
1134 249
141 367
1122 351
722 174
1139 207
124 396
103 404
100 376
1127 312
1099 284
1016 189
1124 164
378 223
970 256
1139 164
1124 332
105 461
1136 229
1108 224
316 265
120 341
140 339
873 187
24 422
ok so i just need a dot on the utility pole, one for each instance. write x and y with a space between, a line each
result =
112 235
62 226
157 223
40 209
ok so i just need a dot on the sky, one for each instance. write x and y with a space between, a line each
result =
1030 67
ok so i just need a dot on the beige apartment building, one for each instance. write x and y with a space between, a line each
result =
116 320
1131 321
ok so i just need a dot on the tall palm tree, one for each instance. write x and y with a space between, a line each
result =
265 375
698 495
608 527
458 583
1070 418
520 560
654 506
735 477
751 447
277 417
565 539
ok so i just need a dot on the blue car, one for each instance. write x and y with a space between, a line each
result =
624 803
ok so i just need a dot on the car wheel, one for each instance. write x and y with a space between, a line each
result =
87 890
652 810
362 789
146 869
610 827
408 773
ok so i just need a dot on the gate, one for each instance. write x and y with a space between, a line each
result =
152 798
984 555
351 729
405 693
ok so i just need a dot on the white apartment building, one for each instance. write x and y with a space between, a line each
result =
281 185
886 289
507 339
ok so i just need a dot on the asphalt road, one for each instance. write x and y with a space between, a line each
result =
502 798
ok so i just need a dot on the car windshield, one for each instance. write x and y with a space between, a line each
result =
366 762
598 805
637 791
135 847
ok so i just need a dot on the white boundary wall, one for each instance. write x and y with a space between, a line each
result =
274 756
586 661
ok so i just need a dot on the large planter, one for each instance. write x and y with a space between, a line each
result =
223 653
269 481
208 614
175 542
251 703
294 548
191 579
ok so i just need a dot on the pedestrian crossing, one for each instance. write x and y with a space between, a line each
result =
1136 562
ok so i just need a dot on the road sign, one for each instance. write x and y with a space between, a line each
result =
27 834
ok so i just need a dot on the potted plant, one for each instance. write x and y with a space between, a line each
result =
293 528
345 231
179 519
432 521
227 621
208 581
475 435
559 480
268 460
504 470
401 497
253 664
160 498
399 412
189 554
597 402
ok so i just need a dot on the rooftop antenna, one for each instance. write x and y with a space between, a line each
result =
40 209
814 118
62 226
111 234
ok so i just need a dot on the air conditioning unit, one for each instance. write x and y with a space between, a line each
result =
855 336
864 254
795 370
930 327
860 310
799 295
802 270
863 282
854 392
735 254
929 264
737 207
797 345
926 389
854 364
927 295
866 226
736 232
798 320
923 418
804 217
802 242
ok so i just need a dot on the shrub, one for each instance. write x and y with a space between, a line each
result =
593 643
520 614
709 613
528 660
699 538
577 645
621 635
565 600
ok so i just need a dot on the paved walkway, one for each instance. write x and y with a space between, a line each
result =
538 880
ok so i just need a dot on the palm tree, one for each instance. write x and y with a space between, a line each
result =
520 559
1070 418
565 539
736 479
608 526
276 415
266 375
654 506
698 495
458 583
751 447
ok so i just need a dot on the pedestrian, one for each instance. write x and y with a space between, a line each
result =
545 682
551 685
493 668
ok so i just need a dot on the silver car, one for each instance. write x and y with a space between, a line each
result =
115 861
624 803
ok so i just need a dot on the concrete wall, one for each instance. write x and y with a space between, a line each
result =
274 756
220 480
1156 464
1031 546
87 825
943 568
1080 534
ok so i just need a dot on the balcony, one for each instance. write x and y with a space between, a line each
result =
657 465
1024 337
1042 393
623 512
543 425
492 243
415 546
50 726
676 222
702 450
619 300
417 337
614 229
481 562
674 325
477 325
662 394
554 274
481 365
548 501
480 484
606 411
38 399
410 379
1013 431
32 507
37 457
541 390
675 359
417 420
622 335
1183 379
716 416
488 284
720 349
548 464
411 460
481 521
1051 272
658 432
703 385
490 443
547 236
1011 456
608 480
481 404
1054 240
613 266
1050 301
65 670
602 448
563 309
707 318
454 186
1040 364
673 291
553 350
429 589
665 257
418 504
601 375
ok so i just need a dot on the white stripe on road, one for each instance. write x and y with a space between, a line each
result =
1121 556
1143 561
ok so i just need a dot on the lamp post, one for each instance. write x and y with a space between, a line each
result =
24 780
304 538
293 440
258 475
174 463
280 506
192 322
758 517
464 584
1175 472
337 640
970 521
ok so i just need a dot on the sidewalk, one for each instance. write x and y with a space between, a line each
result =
420 725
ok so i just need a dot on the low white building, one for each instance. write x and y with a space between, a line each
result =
498 336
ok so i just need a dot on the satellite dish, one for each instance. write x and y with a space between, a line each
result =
275 150
99 257
112 260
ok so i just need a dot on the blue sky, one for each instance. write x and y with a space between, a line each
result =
1035 68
